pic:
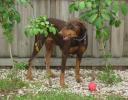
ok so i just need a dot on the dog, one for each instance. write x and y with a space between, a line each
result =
72 39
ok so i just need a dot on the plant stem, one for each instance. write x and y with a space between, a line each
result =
11 57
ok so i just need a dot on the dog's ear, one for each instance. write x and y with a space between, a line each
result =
70 25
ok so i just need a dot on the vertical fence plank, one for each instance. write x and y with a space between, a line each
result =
117 39
125 46
90 34
95 48
23 42
64 12
4 52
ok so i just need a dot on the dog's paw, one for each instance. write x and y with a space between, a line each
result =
78 80
64 86
29 77
52 75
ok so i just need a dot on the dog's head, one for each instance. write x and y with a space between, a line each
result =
74 28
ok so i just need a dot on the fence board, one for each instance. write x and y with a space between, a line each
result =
4 52
125 46
70 62
117 39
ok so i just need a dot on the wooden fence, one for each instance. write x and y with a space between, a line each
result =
22 46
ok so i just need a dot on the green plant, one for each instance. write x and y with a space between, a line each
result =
39 25
6 84
20 65
115 97
53 95
109 76
8 16
98 12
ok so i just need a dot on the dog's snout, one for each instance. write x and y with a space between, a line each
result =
60 32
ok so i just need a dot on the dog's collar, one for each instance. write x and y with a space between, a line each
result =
79 39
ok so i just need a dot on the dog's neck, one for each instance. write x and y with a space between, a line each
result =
80 38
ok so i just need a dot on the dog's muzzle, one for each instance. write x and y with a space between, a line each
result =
64 37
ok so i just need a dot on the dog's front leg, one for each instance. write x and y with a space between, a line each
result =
77 69
63 64
64 58
49 44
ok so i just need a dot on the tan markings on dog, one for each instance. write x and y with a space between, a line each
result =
68 33
37 48
73 50
83 48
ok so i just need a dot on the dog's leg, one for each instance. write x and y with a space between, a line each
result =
77 68
63 64
38 43
49 48
62 81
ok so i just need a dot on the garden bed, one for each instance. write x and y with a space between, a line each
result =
40 84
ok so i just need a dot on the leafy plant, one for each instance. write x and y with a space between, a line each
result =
39 25
20 65
8 16
98 12
109 76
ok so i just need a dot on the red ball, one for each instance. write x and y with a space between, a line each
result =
92 86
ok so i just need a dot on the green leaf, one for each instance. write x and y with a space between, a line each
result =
105 14
108 2
115 7
42 23
93 18
98 34
112 20
106 34
24 2
17 16
81 5
99 22
52 29
72 7
89 4
124 8
117 23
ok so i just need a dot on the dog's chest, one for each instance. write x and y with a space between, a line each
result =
73 50
74 43
77 46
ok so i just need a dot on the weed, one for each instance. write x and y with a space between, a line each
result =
115 97
109 76
51 96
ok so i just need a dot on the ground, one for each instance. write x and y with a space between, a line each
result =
40 83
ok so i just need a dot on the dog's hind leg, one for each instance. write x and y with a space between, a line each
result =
38 43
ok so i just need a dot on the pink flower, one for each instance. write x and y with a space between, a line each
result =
92 86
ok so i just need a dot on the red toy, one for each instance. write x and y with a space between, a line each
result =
92 86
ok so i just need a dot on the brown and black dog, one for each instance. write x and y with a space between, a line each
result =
72 39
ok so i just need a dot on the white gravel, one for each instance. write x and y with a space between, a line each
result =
40 82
